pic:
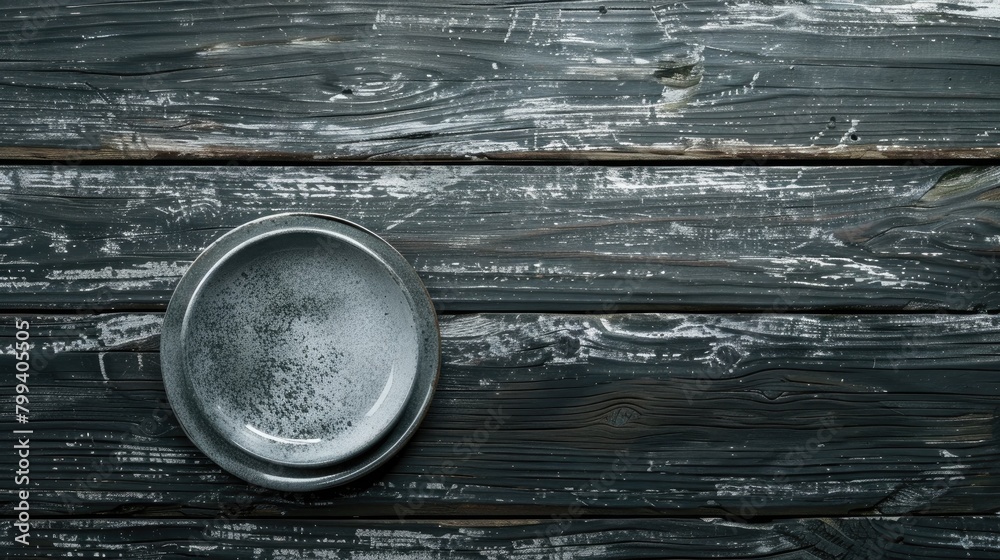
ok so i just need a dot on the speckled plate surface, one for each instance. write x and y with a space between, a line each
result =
300 351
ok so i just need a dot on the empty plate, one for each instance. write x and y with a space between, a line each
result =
300 351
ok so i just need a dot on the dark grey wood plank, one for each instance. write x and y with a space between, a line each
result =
725 415
497 238
844 539
313 79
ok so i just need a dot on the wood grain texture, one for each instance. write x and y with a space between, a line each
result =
800 539
314 79
744 416
498 238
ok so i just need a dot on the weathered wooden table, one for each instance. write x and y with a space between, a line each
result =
715 279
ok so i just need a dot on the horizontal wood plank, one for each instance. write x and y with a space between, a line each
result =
313 79
545 239
745 416
849 538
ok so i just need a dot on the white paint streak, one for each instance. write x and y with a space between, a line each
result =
100 361
403 219
152 271
861 19
513 23
117 330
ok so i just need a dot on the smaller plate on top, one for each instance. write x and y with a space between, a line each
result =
300 351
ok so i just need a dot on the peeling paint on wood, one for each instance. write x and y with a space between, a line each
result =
744 416
327 80
846 538
552 435
532 238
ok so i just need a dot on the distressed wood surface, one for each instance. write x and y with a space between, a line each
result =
746 416
844 539
316 79
537 238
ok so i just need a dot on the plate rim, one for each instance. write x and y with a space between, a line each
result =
236 460
222 259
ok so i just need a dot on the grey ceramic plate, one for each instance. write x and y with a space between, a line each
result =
300 351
